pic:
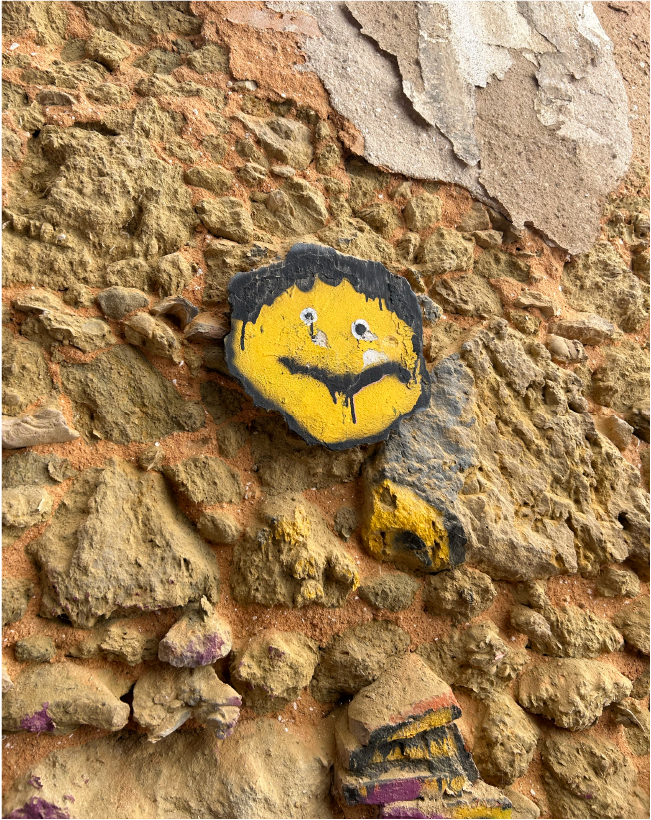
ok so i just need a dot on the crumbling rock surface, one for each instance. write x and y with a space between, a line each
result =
206 480
117 641
292 559
356 658
199 638
59 697
16 593
572 693
633 621
393 591
118 545
25 376
461 593
45 426
273 668
163 699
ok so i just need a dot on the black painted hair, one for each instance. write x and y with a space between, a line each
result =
304 264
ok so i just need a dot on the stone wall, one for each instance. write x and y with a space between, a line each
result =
178 566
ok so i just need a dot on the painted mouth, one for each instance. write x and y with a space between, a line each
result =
347 385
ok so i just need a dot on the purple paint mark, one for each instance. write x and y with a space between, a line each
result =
393 792
35 782
38 722
36 807
196 653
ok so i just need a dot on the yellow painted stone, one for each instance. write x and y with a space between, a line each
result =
394 514
432 720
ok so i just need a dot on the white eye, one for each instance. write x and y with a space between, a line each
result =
361 331
308 316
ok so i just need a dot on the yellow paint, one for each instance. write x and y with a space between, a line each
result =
293 532
432 720
481 811
328 344
393 510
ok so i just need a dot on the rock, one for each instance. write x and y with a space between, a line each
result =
16 593
525 323
575 780
133 272
618 431
273 669
566 631
287 464
206 480
488 239
505 742
410 507
252 174
7 683
96 558
178 307
199 638
51 97
444 340
445 250
618 581
226 217
173 274
532 299
221 402
231 438
431 311
291 558
106 48
622 382
572 693
422 211
284 171
638 418
30 469
566 351
382 217
219 528
296 209
644 469
61 326
494 264
356 658
151 458
640 689
119 641
46 426
37 649
393 591
327 159
461 594
284 140
476 219
163 699
640 265
206 328
120 396
108 94
475 658
210 57
356 238
25 376
476 799
588 329
467 295
407 247
635 720
257 772
345 522
154 336
599 282
216 180
117 301
633 622
224 259
158 61
57 698
77 295
25 506
523 808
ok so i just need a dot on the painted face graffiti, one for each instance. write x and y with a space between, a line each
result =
332 342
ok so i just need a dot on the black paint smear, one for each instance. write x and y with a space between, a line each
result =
250 291
347 385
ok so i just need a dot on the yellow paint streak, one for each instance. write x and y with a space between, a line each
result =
280 332
439 717
481 811
392 510
293 532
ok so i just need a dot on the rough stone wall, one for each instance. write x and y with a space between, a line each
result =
178 558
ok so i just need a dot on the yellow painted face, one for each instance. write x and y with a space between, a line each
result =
340 365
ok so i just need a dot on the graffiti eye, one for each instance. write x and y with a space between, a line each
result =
308 316
361 331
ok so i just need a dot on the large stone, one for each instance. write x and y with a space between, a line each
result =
467 295
382 217
118 545
200 637
211 57
46 426
296 209
217 180
572 693
273 669
446 250
633 621
461 594
355 238
16 593
616 581
505 742
532 299
35 649
117 301
566 631
589 329
108 49
599 282
226 217
622 381
224 259
393 591
587 776
25 506
618 431
422 211
356 658
121 641
566 351
287 141
59 697
163 699
206 480
290 557
494 264
154 336
25 376
120 396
